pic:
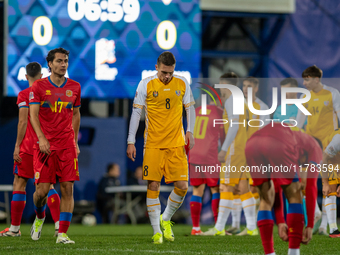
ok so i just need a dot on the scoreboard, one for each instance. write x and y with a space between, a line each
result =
113 44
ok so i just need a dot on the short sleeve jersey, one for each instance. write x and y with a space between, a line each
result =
207 136
239 143
30 137
323 107
56 110
163 110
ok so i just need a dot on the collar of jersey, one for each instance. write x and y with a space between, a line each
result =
62 85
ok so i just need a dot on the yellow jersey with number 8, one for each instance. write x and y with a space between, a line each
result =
163 110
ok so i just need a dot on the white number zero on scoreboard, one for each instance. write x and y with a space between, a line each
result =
46 24
166 35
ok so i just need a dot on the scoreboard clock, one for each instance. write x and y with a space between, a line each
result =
113 43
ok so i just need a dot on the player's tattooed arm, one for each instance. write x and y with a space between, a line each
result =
76 125
22 125
44 145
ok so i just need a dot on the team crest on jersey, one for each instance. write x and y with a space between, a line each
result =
48 92
326 103
155 94
178 92
37 175
69 93
31 95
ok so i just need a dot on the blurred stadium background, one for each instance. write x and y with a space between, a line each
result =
114 44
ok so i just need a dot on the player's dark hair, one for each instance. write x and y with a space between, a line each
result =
33 69
319 142
253 80
51 55
229 78
166 58
312 71
293 82
110 166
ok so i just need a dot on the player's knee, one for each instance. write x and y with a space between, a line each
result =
153 185
67 191
41 194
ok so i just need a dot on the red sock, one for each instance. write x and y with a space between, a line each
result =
295 221
195 208
17 207
265 223
214 204
53 202
64 222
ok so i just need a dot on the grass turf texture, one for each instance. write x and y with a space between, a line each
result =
128 239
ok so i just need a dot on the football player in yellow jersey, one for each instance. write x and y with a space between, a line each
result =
330 181
163 96
324 105
234 149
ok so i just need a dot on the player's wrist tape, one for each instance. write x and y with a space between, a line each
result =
130 142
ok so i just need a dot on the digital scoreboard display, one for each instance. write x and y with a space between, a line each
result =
113 44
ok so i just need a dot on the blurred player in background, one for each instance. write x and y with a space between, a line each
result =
202 157
281 146
233 148
331 157
291 109
23 159
55 117
163 96
324 105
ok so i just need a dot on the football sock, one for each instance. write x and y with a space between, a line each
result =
53 203
64 222
324 215
236 212
224 209
154 209
265 223
330 206
214 205
175 201
249 208
295 222
40 211
17 208
195 209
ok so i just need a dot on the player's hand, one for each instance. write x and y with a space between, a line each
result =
221 156
16 155
189 138
131 152
326 189
307 235
44 145
283 231
78 150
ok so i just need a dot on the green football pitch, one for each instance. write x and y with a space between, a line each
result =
128 239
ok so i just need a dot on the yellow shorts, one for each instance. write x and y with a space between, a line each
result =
231 174
171 163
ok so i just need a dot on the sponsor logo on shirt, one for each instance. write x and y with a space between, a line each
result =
22 104
326 103
48 92
166 89
59 94
155 94
31 95
69 93
178 92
